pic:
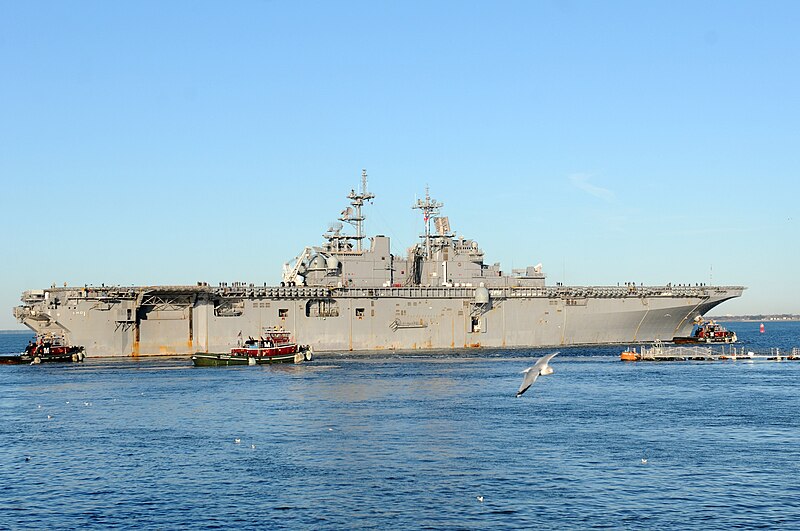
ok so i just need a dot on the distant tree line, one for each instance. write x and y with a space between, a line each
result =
757 317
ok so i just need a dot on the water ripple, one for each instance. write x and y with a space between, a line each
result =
401 442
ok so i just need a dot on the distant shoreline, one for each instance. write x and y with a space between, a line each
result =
753 318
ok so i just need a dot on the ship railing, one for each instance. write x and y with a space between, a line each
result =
242 290
772 353
496 292
659 351
415 292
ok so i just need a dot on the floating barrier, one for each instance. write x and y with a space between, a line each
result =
659 352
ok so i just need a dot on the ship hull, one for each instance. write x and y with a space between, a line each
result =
183 320
224 360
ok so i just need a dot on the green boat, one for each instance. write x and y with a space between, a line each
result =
275 346
201 359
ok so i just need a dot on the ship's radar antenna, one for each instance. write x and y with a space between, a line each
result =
335 228
355 216
430 208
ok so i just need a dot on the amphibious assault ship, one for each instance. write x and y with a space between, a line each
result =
351 293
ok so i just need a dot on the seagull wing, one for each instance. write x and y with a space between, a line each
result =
532 373
543 361
530 376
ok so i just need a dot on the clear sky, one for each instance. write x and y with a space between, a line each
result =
172 142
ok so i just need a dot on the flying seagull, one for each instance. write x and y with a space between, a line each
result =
541 367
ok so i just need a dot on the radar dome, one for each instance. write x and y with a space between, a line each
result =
332 262
318 262
481 295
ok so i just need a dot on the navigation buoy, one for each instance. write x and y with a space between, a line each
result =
761 328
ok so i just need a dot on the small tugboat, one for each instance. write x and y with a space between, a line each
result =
47 348
274 346
707 332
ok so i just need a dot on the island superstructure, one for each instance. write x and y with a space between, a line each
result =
351 293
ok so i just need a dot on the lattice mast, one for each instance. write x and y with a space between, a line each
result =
355 216
430 208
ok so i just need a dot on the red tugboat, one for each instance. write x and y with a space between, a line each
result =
274 346
707 332
48 347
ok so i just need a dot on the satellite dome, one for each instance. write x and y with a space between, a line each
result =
332 262
481 295
318 262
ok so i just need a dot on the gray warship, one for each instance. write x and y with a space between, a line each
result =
352 294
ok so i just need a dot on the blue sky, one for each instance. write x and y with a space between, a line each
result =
172 142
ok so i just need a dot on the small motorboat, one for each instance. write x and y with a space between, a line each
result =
630 354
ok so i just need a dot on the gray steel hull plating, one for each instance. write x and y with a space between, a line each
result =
182 320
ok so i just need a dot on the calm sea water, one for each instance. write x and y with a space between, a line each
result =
404 442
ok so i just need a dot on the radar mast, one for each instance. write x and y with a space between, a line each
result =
354 216
430 208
